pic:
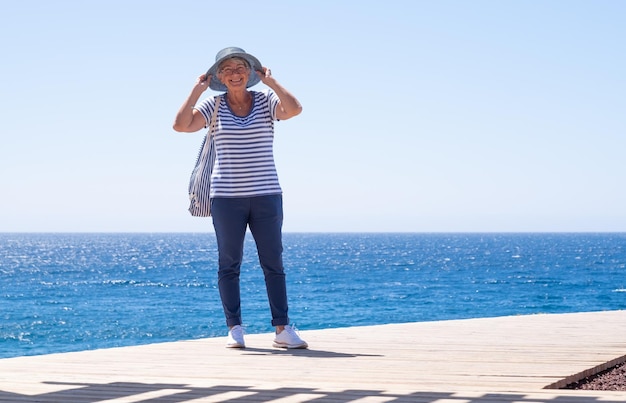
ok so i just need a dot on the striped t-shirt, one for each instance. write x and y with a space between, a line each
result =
244 162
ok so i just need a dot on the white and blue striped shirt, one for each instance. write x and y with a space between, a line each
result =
244 163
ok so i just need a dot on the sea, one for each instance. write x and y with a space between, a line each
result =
62 292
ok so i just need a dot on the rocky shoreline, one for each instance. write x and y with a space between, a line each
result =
611 379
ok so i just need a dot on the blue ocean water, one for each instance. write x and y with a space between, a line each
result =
69 292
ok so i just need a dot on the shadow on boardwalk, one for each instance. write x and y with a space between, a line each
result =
174 393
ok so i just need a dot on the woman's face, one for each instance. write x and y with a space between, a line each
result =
234 73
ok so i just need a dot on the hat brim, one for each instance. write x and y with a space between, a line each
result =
253 79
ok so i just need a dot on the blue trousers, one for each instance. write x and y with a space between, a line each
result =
264 216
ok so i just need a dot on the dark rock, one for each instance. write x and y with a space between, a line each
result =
611 379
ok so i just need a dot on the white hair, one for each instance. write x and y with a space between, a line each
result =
219 68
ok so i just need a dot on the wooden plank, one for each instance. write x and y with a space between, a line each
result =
475 360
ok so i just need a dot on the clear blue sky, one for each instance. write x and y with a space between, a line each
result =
420 116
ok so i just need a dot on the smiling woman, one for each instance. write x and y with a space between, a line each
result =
242 180
232 58
236 71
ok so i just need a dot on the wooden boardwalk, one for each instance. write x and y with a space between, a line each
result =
508 359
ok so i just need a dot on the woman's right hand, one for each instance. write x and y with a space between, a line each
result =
203 81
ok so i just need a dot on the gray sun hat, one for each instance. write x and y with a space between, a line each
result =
228 53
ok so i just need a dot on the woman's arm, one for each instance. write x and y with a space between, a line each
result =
289 106
189 119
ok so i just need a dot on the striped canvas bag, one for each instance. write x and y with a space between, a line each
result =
200 181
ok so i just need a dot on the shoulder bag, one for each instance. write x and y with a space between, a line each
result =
200 181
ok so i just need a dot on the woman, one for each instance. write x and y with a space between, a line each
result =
245 191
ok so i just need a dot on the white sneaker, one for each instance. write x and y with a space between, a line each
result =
235 338
289 338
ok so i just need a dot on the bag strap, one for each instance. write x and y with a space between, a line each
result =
204 151
216 108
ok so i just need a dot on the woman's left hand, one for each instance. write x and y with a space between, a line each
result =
265 75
